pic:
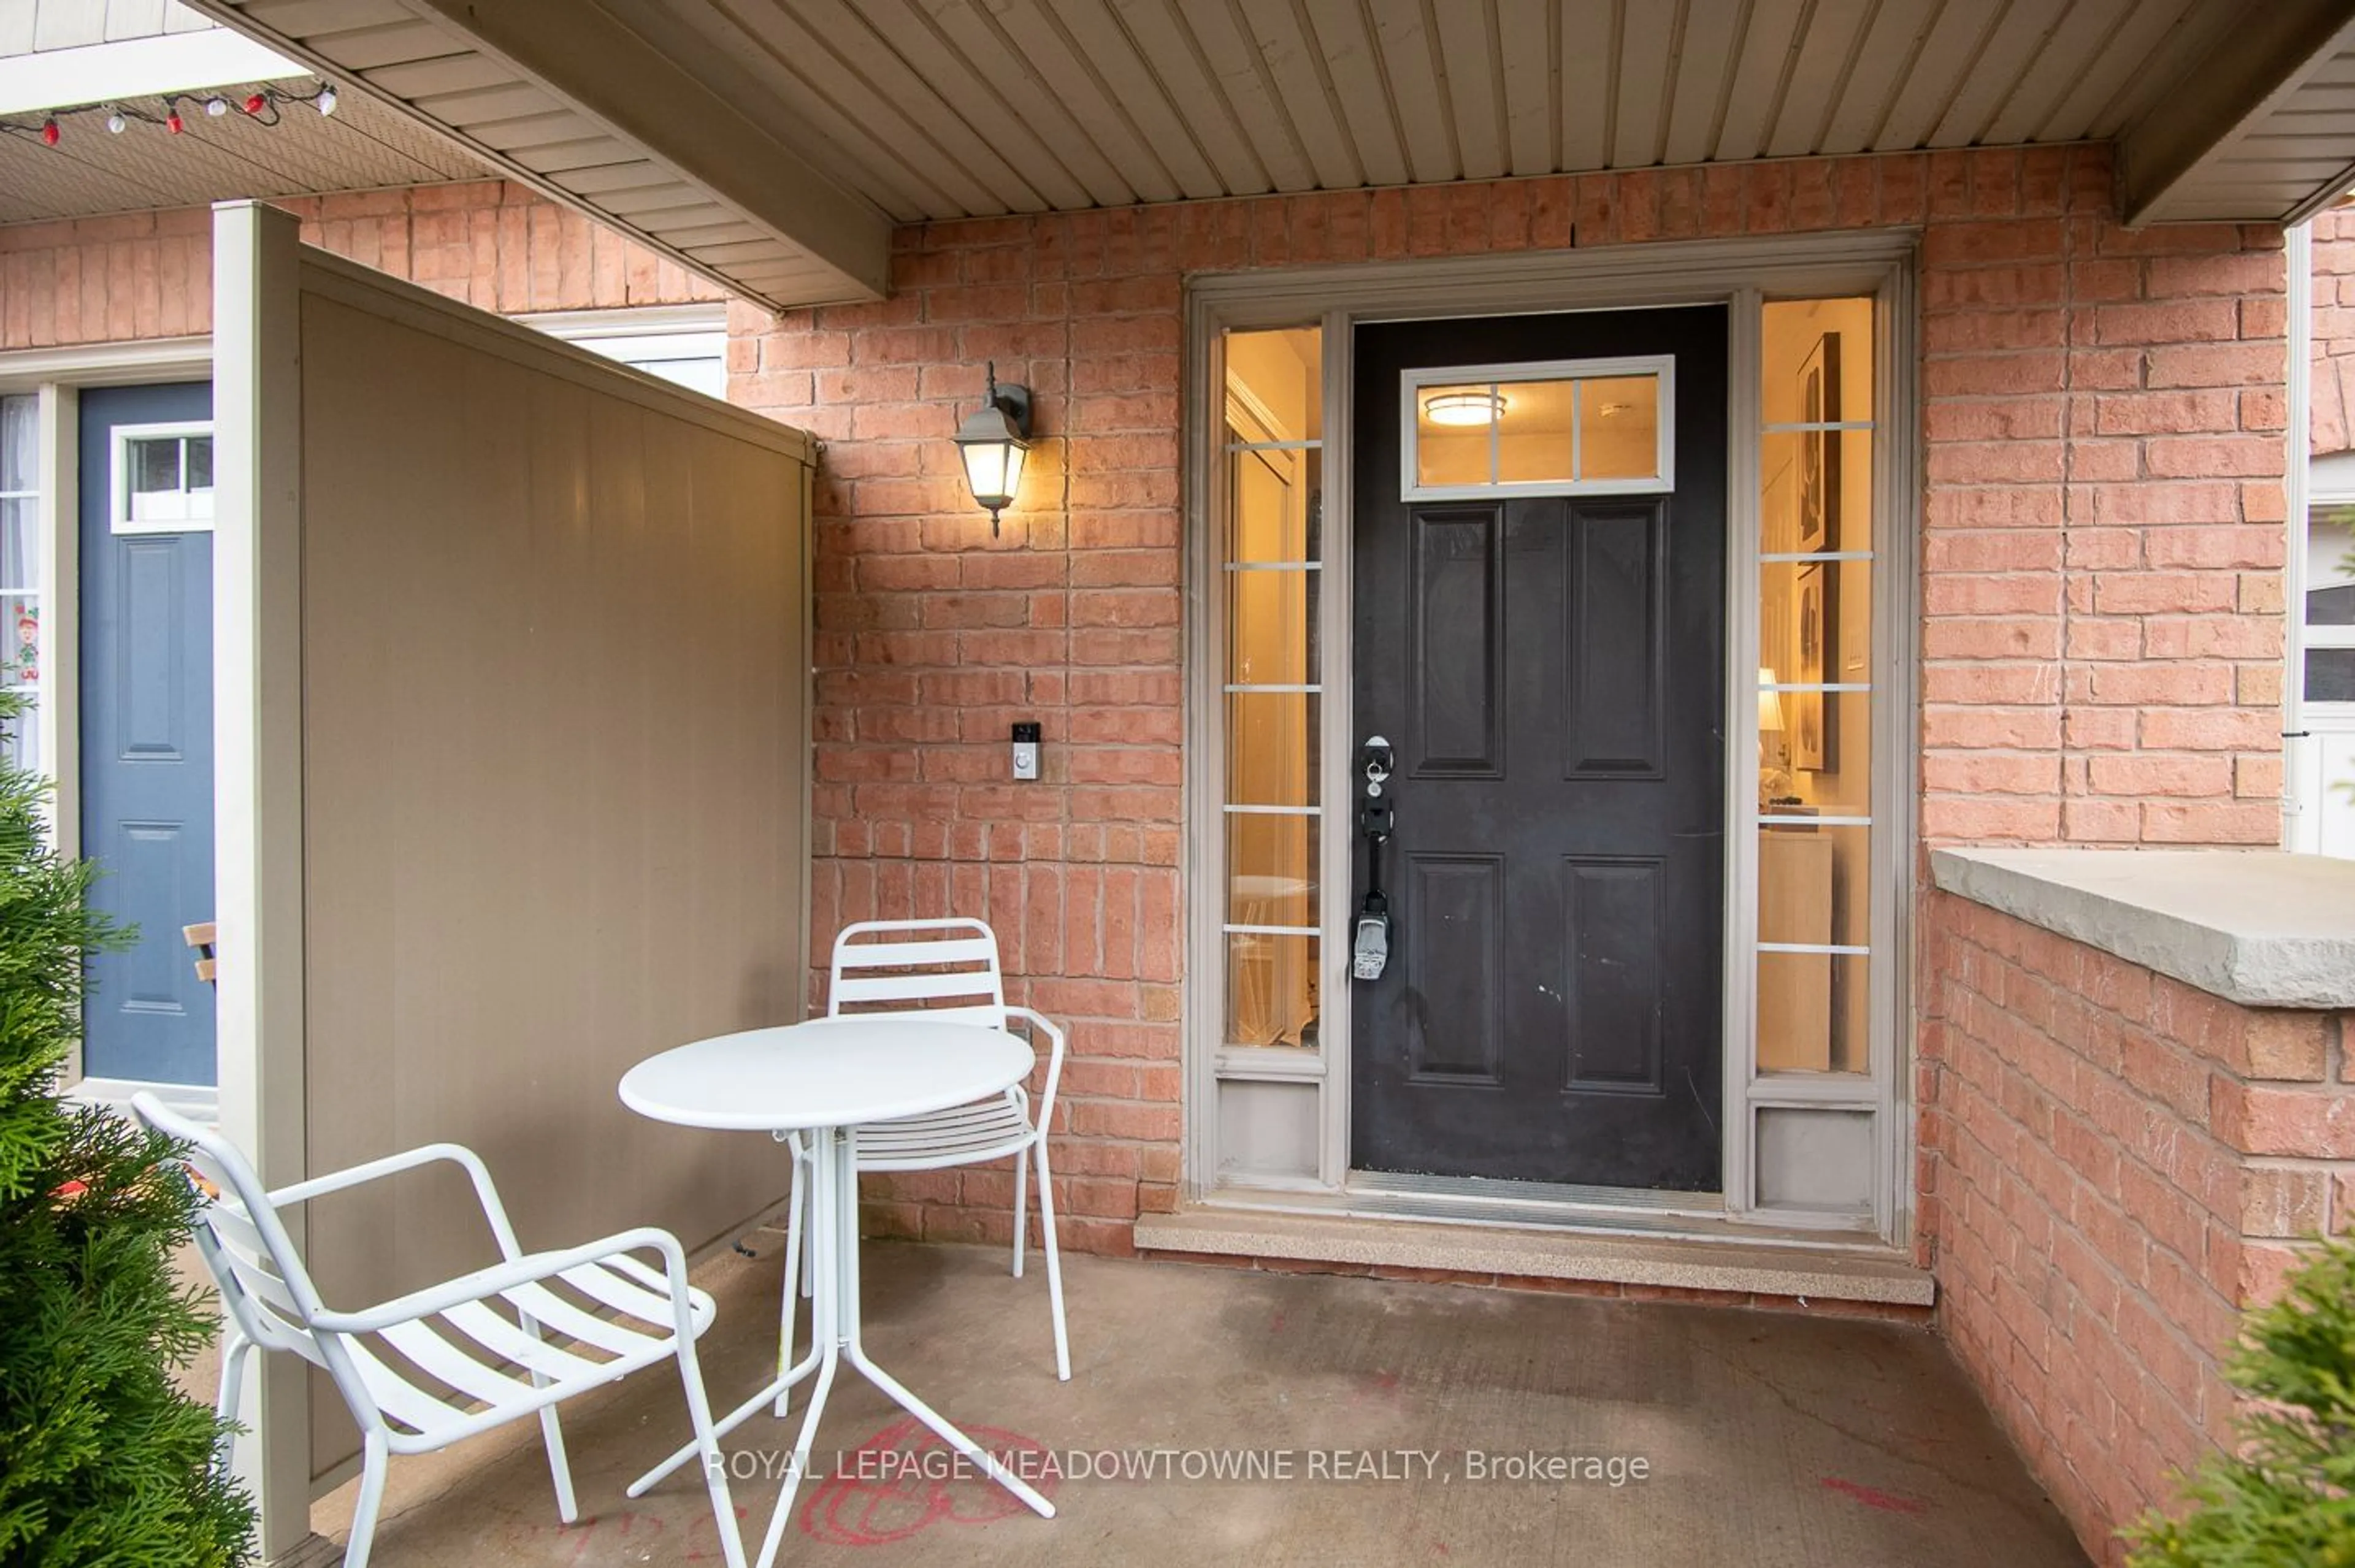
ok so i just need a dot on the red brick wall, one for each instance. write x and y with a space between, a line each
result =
2103 543
2114 1163
2334 331
490 243
2100 577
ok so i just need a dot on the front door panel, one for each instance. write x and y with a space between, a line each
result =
146 756
1550 670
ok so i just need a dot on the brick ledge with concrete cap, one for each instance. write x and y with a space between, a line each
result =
1758 1269
2258 927
2137 1109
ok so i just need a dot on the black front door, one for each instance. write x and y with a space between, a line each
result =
1551 673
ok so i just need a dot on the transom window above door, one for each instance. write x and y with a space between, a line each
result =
1564 426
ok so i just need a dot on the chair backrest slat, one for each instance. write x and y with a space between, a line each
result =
979 952
258 1279
943 969
855 988
264 1283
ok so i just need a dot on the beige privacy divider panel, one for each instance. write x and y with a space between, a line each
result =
555 769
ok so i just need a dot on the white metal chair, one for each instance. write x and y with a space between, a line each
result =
945 970
429 1369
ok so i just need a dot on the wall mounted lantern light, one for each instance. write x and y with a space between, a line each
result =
993 441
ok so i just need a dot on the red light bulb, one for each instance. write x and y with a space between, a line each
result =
48 133
254 103
172 122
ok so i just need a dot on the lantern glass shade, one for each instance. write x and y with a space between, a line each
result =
993 453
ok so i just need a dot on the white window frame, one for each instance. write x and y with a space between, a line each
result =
1267 439
2315 744
2312 636
1414 383
120 500
643 335
2320 636
2312 732
1739 273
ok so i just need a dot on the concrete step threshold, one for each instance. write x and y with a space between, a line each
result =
1766 1266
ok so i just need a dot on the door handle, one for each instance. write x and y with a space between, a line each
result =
1369 952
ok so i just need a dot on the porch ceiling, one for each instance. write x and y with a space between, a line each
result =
365 144
771 143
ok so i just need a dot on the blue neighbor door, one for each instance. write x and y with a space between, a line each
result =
147 722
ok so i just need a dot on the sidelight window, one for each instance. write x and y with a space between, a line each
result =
1816 786
20 568
1272 691
1820 859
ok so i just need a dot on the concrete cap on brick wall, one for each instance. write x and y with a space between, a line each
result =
2257 927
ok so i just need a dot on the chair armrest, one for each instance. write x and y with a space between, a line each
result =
458 1155
525 1270
1054 1060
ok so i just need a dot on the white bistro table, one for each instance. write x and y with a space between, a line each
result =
827 1078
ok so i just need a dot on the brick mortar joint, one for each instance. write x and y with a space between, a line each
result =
2081 1118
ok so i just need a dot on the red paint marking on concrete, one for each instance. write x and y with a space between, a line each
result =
1377 1386
1873 1497
903 1497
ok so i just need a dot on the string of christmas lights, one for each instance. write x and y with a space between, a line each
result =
263 106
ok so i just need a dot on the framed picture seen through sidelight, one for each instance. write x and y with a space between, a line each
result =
1813 744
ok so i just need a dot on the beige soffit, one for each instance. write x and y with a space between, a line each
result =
773 142
565 97
364 145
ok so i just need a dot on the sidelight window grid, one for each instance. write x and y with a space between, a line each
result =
1272 690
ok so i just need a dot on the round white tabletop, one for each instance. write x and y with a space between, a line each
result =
827 1072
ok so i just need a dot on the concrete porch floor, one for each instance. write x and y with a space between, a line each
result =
1770 1438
